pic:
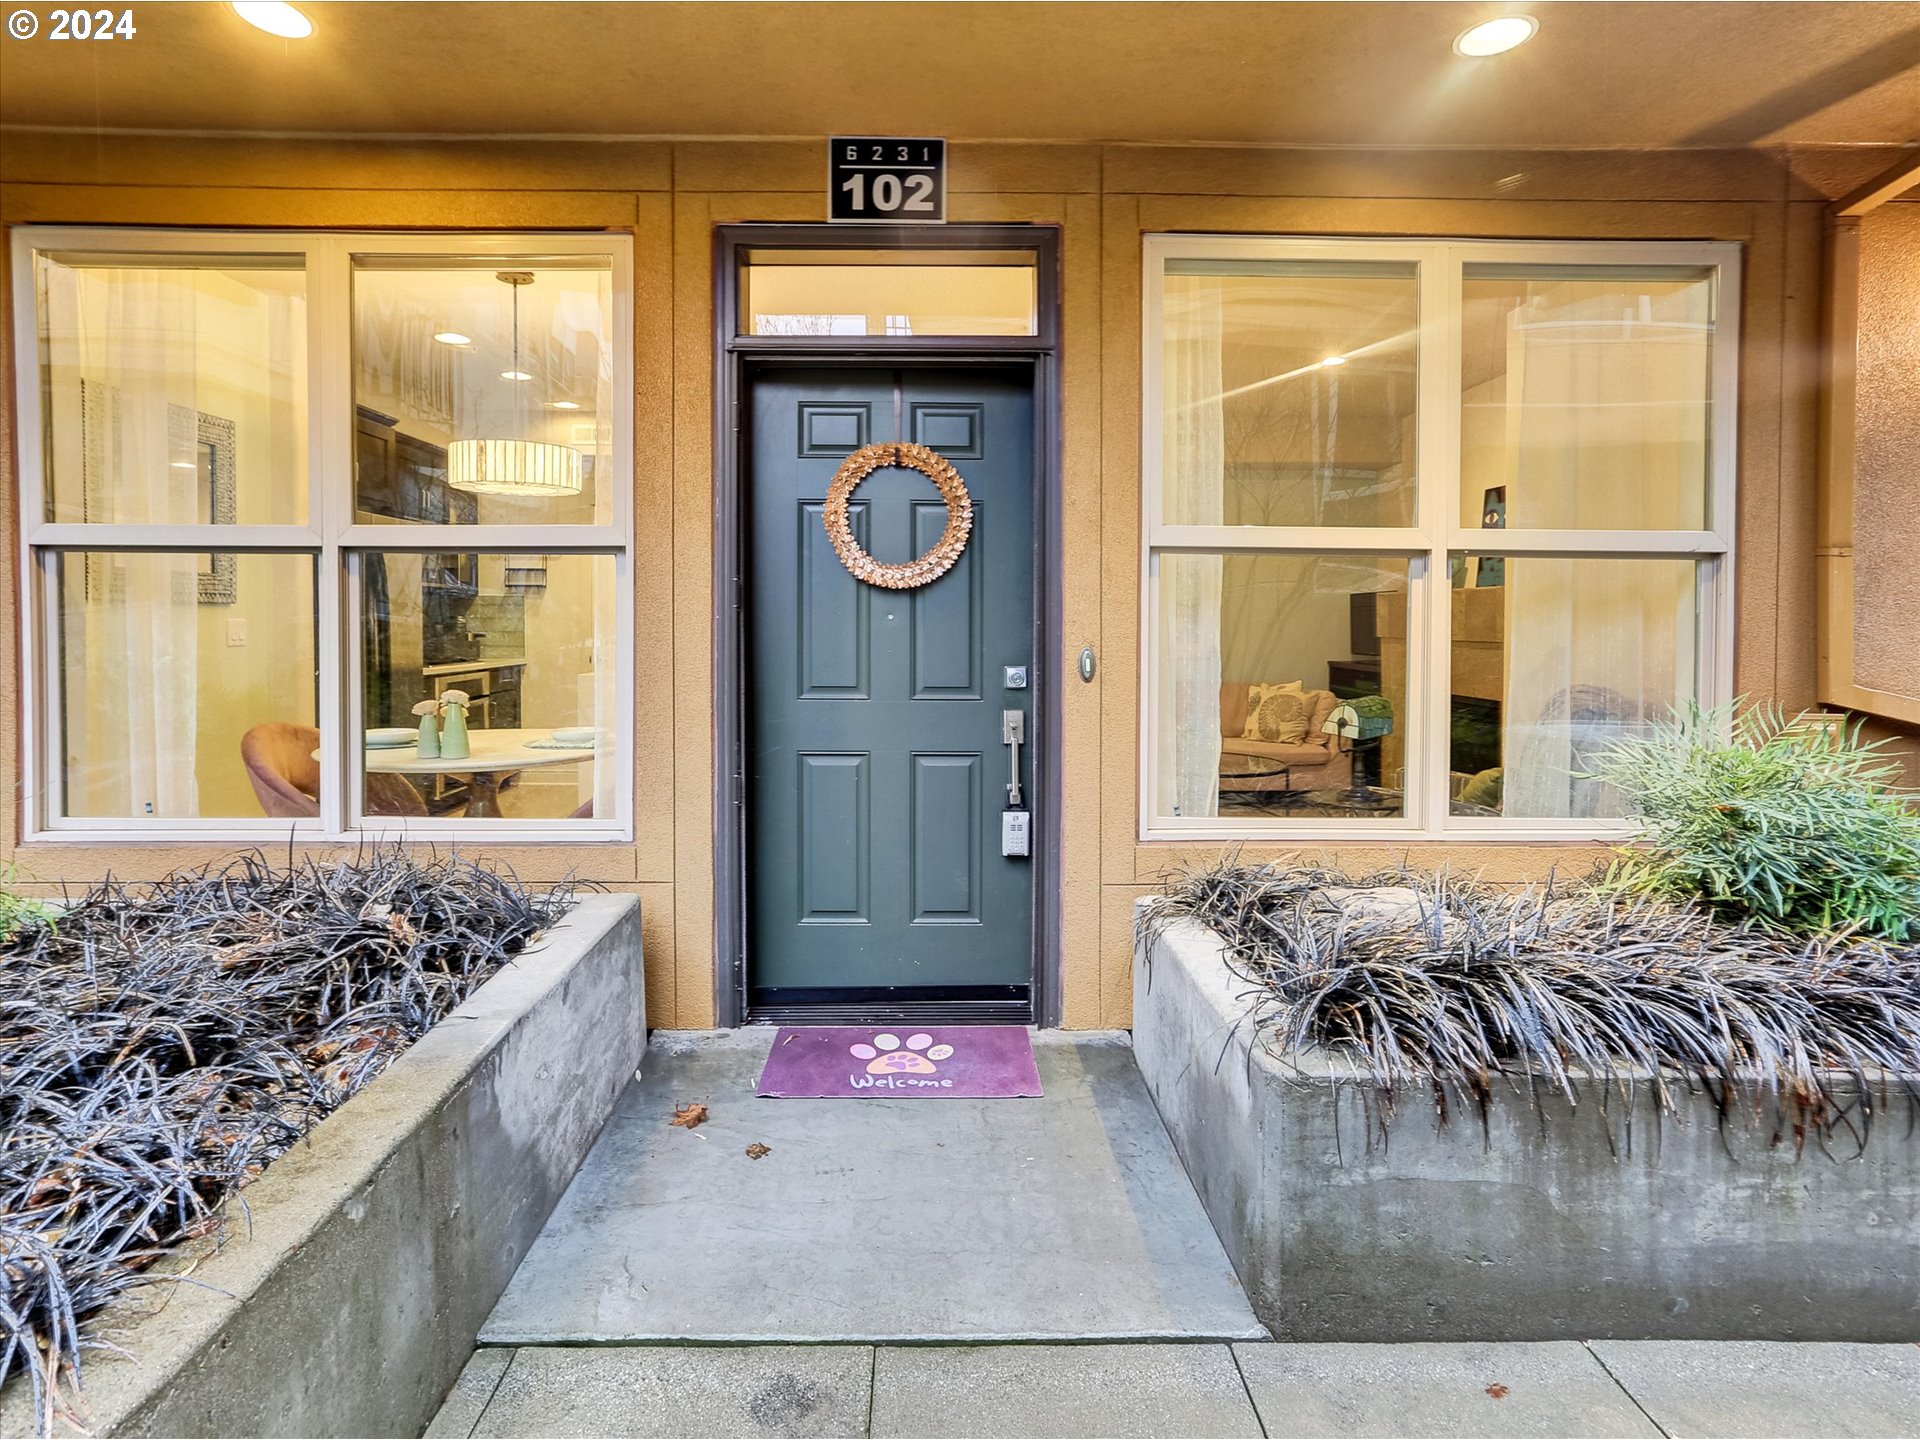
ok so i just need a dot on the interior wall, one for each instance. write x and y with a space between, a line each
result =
671 194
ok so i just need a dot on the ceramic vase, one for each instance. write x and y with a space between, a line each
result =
453 734
429 738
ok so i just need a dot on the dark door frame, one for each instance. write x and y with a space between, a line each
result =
737 357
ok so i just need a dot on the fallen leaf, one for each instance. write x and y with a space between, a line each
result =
756 1150
1498 1392
689 1116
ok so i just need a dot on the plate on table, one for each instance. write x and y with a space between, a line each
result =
581 736
391 738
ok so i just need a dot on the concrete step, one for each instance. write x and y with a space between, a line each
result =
885 1220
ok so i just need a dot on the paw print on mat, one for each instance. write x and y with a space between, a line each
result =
887 1056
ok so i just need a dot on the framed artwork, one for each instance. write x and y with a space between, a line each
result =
209 438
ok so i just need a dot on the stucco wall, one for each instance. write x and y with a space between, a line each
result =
671 194
1886 487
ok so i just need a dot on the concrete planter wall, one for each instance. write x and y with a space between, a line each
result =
365 1259
1534 1232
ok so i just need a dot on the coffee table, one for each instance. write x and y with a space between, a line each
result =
1372 800
1257 767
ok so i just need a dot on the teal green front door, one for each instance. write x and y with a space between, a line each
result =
875 769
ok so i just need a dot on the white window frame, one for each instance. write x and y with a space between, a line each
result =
1436 532
329 537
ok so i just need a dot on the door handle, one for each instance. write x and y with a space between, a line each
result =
1013 734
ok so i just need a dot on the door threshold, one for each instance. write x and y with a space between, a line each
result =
892 1005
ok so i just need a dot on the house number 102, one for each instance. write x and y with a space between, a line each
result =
871 179
891 192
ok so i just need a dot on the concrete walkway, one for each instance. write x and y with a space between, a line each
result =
1063 1218
1559 1388
902 1238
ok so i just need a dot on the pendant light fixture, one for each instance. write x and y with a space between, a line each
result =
514 465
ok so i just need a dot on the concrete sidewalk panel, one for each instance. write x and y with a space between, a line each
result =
468 1399
1552 1388
1060 1390
1763 1388
649 1390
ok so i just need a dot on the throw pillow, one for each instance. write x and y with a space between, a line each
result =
1276 714
1484 789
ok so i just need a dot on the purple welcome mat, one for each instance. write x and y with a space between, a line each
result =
845 1062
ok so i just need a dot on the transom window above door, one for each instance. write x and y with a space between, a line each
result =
326 533
1426 524
794 292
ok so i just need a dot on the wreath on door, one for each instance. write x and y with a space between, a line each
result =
944 552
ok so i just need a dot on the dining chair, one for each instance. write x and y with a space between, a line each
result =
286 777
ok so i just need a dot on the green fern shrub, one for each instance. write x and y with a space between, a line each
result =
17 909
1796 827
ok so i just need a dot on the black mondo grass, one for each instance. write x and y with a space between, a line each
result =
161 1045
1440 989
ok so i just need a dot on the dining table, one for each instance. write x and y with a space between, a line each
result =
496 754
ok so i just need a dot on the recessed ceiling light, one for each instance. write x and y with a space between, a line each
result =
566 404
1334 360
515 375
274 18
1495 37
453 337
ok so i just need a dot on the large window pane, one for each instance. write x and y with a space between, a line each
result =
1288 393
174 393
483 391
901 292
1585 397
187 685
1552 658
530 640
1256 655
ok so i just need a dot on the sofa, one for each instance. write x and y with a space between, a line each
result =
1316 763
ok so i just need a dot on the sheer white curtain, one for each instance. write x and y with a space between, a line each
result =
1610 385
132 621
1193 483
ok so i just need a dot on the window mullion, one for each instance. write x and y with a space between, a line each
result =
1620 544
239 539
1717 608
38 643
330 500
48 752
1152 386
1303 539
1438 505
526 539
